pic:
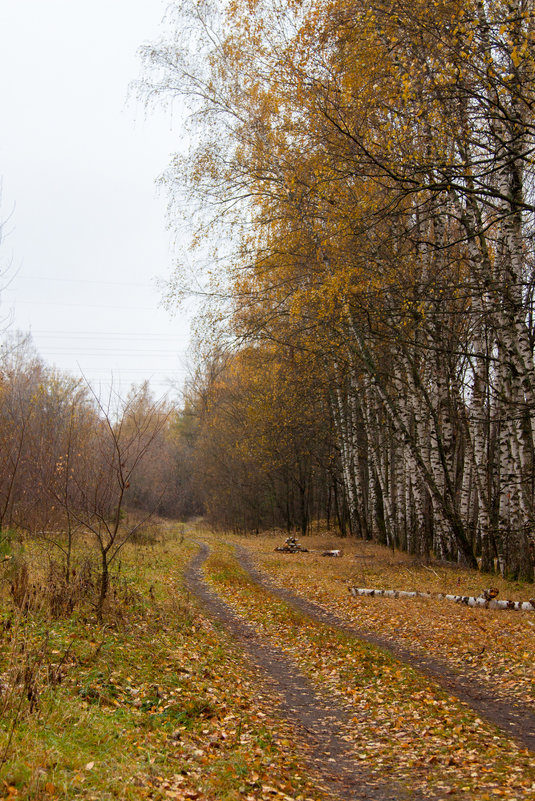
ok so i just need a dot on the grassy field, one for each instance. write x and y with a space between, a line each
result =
157 702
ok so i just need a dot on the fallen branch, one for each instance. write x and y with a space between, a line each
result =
486 599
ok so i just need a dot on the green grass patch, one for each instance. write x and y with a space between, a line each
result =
156 700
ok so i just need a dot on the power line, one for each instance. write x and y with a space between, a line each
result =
65 351
111 334
84 305
143 369
84 281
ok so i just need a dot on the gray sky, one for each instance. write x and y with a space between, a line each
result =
86 230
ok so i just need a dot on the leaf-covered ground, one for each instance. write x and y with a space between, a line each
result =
155 704
496 646
405 725
160 702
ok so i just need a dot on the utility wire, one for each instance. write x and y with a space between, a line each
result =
83 305
85 281
110 334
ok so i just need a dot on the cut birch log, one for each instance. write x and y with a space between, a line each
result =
485 600
332 553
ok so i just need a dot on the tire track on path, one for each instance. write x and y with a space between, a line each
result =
321 724
515 720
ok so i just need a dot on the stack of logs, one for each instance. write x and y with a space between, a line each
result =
291 545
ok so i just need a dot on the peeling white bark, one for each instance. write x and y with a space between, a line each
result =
466 600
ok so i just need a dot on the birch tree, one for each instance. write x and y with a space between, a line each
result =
372 166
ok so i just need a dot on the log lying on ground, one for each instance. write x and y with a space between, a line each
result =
337 552
486 599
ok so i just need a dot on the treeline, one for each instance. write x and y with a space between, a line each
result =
369 170
265 453
71 460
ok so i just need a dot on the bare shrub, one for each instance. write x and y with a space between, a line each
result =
28 663
64 595
149 532
20 680
23 593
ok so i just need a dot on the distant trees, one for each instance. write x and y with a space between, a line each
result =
163 484
122 435
372 164
73 463
21 382
263 454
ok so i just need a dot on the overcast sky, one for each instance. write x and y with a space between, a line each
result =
86 233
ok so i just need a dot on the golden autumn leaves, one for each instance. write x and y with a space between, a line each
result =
361 172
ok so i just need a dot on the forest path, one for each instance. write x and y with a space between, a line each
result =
512 718
321 724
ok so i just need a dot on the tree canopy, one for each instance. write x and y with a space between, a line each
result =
368 169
